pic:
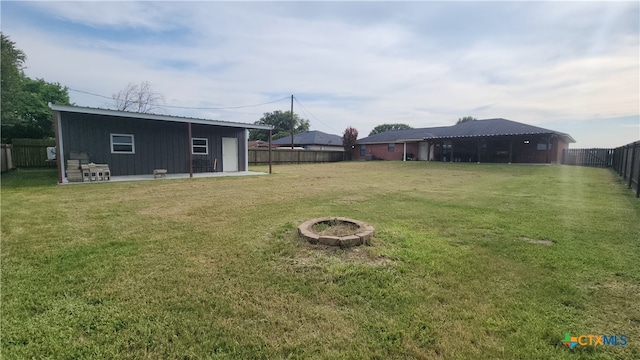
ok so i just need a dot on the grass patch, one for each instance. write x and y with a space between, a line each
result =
213 268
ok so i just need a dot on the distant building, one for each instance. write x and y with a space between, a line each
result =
312 140
491 140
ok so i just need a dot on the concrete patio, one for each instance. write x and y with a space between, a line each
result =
170 176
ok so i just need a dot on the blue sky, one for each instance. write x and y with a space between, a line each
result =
567 66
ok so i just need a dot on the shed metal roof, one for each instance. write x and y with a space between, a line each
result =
310 138
136 115
469 129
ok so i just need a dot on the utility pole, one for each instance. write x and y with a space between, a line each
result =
292 125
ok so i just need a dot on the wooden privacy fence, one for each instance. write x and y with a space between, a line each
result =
293 156
625 160
588 157
31 152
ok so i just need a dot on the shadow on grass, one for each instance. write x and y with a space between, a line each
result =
33 177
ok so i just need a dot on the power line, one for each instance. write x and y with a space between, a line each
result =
227 107
88 93
189 107
304 108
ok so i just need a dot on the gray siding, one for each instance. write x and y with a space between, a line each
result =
215 135
158 144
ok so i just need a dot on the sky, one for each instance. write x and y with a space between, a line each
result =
572 67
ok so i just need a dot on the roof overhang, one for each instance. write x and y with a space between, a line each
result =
136 115
567 136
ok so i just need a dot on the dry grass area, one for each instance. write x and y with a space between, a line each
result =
214 269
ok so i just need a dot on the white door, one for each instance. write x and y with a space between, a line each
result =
229 154
423 151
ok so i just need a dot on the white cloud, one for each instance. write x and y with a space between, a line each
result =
149 15
425 64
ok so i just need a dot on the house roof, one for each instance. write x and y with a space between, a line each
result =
136 115
310 138
469 129
258 143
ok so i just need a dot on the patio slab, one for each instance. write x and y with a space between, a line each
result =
170 176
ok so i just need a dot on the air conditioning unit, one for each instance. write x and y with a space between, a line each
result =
51 152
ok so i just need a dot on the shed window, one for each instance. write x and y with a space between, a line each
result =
122 144
543 146
200 146
391 147
363 150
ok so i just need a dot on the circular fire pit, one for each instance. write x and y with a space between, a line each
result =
336 231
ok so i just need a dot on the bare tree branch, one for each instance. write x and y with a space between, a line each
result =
139 98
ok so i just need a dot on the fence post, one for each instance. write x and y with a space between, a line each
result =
624 162
636 145
7 157
633 152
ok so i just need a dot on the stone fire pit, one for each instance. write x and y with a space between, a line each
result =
336 231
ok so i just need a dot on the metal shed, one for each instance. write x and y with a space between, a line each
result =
133 143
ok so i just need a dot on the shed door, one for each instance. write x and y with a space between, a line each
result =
229 154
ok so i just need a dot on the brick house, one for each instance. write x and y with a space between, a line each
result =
491 140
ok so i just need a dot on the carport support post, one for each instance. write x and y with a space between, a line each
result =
270 131
404 152
292 128
190 155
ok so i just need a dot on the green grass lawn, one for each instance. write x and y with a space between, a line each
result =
459 268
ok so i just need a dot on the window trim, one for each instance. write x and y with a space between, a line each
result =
132 144
205 146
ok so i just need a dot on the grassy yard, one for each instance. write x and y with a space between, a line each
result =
460 267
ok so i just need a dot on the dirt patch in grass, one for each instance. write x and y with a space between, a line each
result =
537 241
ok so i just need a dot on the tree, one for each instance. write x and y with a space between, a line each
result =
34 117
138 98
25 109
465 119
386 127
349 139
281 122
36 112
12 76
